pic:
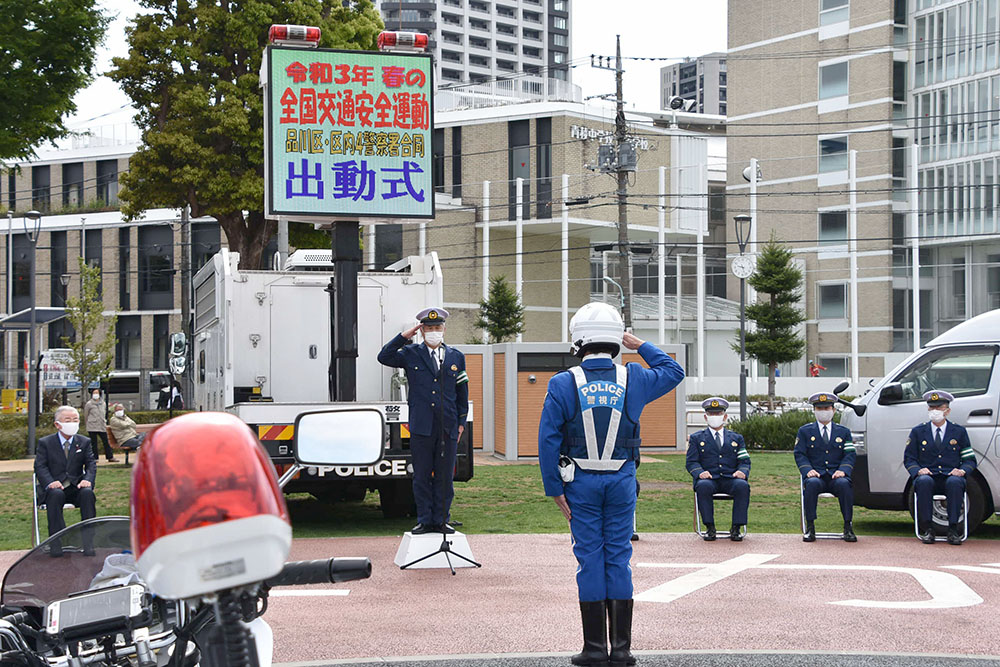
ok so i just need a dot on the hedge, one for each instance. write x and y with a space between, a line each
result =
14 429
773 431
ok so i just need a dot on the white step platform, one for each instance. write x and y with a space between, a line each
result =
414 547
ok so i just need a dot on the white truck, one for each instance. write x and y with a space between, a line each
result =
262 351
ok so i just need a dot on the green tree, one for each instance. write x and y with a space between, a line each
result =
777 282
193 75
93 352
501 315
47 55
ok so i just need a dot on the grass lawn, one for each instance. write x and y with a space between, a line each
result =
509 499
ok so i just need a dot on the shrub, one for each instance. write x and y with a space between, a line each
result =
772 431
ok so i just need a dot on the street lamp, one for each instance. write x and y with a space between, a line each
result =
621 292
32 234
743 267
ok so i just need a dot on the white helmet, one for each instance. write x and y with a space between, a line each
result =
596 323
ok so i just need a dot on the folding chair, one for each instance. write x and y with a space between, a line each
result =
937 497
39 506
802 507
699 528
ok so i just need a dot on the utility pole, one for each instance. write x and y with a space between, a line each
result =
188 390
622 169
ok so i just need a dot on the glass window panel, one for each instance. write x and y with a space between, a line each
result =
959 371
833 227
833 81
832 154
833 302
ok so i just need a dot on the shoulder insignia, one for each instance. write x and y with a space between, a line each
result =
953 442
812 437
839 440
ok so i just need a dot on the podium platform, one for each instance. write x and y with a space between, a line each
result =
414 547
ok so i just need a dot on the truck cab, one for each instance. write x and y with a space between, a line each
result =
962 361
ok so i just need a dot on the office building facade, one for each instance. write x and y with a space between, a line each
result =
702 80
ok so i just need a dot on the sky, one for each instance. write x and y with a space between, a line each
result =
648 28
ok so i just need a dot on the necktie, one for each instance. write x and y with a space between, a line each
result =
937 437
826 435
437 362
718 440
66 448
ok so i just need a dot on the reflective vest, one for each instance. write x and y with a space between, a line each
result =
621 442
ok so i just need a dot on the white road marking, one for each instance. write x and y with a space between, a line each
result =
311 593
945 590
988 569
709 573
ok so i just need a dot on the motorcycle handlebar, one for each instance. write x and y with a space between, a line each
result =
331 570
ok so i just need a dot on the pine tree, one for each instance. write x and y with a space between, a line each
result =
502 315
775 341
93 351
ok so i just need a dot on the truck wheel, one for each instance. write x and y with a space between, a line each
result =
396 499
939 510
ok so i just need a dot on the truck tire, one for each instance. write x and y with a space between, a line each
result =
977 507
396 499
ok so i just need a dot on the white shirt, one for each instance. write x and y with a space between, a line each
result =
437 354
824 426
720 434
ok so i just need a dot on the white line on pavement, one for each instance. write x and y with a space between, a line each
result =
311 593
708 574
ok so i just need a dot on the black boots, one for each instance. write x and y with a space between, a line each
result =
709 535
849 535
620 626
954 536
736 532
925 533
595 633
810 534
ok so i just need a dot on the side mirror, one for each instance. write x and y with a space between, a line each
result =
841 387
177 365
891 393
178 345
352 437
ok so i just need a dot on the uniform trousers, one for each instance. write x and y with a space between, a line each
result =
842 487
433 458
952 486
739 489
602 507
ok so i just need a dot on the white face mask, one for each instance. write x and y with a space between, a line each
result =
936 416
715 421
823 416
69 429
96 397
119 413
434 338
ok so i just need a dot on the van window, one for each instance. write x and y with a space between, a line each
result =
963 371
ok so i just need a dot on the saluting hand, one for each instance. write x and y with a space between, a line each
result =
411 332
632 342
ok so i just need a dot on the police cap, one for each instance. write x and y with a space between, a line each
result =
714 404
823 400
432 315
936 397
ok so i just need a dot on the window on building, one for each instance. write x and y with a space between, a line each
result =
961 371
107 181
206 241
833 11
533 17
450 74
479 42
41 180
161 341
722 78
559 22
832 301
955 301
832 154
531 51
478 24
833 228
72 184
451 19
722 109
506 65
836 366
124 268
451 38
543 159
156 267
504 47
833 80
532 34
559 6
22 269
477 6
506 12
899 81
560 74
456 162
559 39
503 29
451 56
993 281
11 190
57 267
479 61
93 254
128 350
519 166
388 245
437 149
558 57
476 77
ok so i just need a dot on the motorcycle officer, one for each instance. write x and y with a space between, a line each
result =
588 449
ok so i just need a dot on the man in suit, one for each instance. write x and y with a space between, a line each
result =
824 453
65 468
939 456
718 461
438 401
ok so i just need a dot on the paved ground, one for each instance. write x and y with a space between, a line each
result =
698 603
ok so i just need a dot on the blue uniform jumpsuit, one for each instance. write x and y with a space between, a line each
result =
826 457
721 458
602 500
954 451
438 403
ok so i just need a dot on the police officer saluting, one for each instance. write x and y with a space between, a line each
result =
824 453
438 404
718 461
938 456
588 446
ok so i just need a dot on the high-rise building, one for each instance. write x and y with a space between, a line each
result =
526 42
830 98
702 80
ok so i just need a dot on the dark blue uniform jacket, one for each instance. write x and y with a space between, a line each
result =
703 454
955 452
811 453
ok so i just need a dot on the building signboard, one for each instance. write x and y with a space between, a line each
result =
348 134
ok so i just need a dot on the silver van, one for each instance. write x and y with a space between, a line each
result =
963 361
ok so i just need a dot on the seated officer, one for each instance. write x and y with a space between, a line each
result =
718 461
938 456
824 453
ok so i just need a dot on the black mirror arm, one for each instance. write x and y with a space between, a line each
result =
859 410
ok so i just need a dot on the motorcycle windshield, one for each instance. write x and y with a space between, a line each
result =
89 555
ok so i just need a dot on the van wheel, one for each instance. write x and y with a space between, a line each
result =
396 499
939 510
